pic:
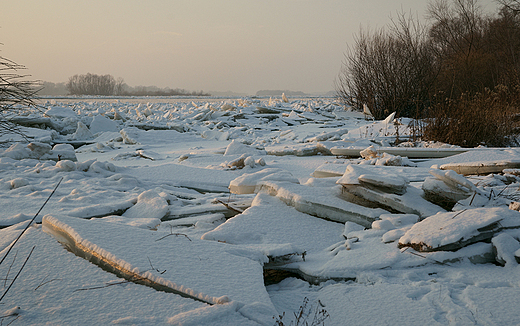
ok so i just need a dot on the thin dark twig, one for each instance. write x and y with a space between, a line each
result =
175 234
500 193
107 285
471 201
7 316
12 321
21 268
43 282
9 270
155 269
15 241
462 211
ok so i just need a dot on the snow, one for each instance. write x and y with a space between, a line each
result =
445 229
178 212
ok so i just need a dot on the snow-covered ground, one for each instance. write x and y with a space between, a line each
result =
235 212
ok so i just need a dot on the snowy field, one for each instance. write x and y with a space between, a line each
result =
237 212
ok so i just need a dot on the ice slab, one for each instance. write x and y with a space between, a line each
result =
410 152
206 180
308 149
149 204
476 155
413 174
100 210
411 202
48 293
40 151
246 183
505 246
482 167
364 251
447 188
203 270
276 229
454 230
323 202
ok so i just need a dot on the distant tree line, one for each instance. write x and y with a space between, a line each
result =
106 85
460 71
156 91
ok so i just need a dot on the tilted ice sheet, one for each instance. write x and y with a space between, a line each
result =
54 281
269 221
185 176
447 229
320 201
413 174
202 269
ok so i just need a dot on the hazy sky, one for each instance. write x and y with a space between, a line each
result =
211 45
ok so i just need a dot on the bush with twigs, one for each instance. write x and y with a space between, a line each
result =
490 118
16 94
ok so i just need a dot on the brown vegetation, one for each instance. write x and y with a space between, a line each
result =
16 94
489 118
461 72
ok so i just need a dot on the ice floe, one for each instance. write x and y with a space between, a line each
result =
239 211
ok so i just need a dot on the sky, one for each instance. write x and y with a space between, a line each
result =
234 45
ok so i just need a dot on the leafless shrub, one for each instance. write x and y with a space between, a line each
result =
16 94
489 118
408 67
306 316
388 70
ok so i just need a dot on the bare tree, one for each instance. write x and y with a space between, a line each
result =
389 70
512 5
16 94
91 84
458 35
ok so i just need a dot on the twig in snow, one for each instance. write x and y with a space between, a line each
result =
158 271
175 234
462 211
133 280
15 241
9 269
2 319
21 268
42 283
107 285
419 255
500 193
471 202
